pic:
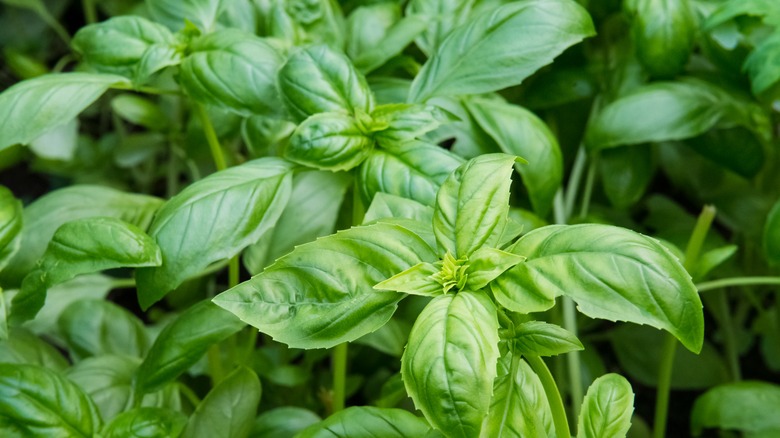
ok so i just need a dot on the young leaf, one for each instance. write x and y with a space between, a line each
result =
214 219
140 111
229 409
367 25
607 408
486 263
283 422
771 236
32 107
625 173
664 32
501 47
155 58
758 406
393 42
385 205
611 272
182 342
442 17
233 70
472 205
146 422
318 79
519 132
539 338
98 327
403 122
416 280
321 294
10 225
175 13
369 422
329 141
40 402
450 361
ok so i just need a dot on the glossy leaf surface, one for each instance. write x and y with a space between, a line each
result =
607 408
10 225
173 13
146 423
539 338
329 141
664 32
369 422
97 327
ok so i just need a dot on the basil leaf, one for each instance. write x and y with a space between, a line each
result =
146 422
715 408
472 205
501 47
390 339
367 25
233 70
229 409
83 246
612 273
154 59
214 219
731 9
321 294
140 111
416 280
761 64
771 236
393 42
32 107
664 32
329 141
626 173
45 215
519 132
318 79
403 122
442 17
174 13
385 205
10 225
41 402
737 149
23 347
413 170
182 342
99 327
449 363
118 44
607 408
368 421
283 422
486 263
538 338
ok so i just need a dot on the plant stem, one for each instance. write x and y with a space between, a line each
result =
339 363
211 137
696 241
560 421
189 394
122 283
573 360
574 181
233 272
588 191
53 23
214 358
144 89
737 281
90 14
729 337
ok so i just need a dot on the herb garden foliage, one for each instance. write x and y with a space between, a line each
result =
438 181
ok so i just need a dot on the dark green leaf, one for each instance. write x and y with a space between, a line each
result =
97 327
174 13
385 205
538 338
182 342
283 422
625 173
212 220
23 347
762 64
329 141
229 409
737 149
368 422
321 294
10 225
607 408
664 32
758 404
449 364
40 402
146 423
501 47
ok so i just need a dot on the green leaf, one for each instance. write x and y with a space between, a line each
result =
519 132
368 421
212 220
321 294
146 423
154 59
472 205
711 259
393 42
118 44
771 238
329 141
318 79
412 170
283 422
538 338
389 339
367 25
450 361
174 13
416 280
612 273
99 327
731 9
41 402
83 246
44 216
59 143
691 107
758 406
10 225
35 106
762 66
385 205
486 263
442 17
404 122
182 342
23 347
664 32
234 70
626 173
140 111
501 47
607 408
737 149
229 409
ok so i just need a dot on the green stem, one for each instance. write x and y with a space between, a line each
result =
560 421
233 272
90 14
144 89
211 137
737 281
696 241
664 386
122 283
573 360
574 180
216 370
588 191
729 337
339 363
54 24
189 394
559 208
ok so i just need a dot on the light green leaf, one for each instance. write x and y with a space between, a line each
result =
174 13
538 338
3 318
83 246
329 141
10 225
318 79
44 216
626 173
118 44
99 327
501 47
517 131
472 205
229 409
727 10
758 404
442 17
23 347
59 143
393 42
711 259
182 342
389 339
762 64
233 70
145 423
154 59
368 422
404 122
416 280
140 111
612 273
283 422
450 361
412 170
664 32
367 25
321 294
771 236
35 106
607 408
385 205
41 402
486 263
212 220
